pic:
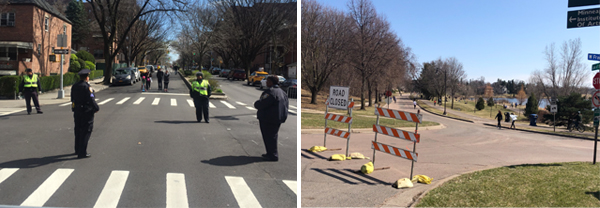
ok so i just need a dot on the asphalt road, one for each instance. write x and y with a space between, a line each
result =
148 151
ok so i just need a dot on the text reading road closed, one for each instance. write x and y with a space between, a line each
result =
338 97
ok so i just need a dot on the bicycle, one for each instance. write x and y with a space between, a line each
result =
580 127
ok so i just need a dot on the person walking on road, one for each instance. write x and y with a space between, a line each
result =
513 117
84 107
29 87
499 117
200 92
159 77
166 78
394 97
272 112
414 104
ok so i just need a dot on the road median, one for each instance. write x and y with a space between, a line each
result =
214 96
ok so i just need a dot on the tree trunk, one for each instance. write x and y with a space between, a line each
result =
313 97
362 94
370 93
108 63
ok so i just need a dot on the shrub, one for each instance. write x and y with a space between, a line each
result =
480 104
74 66
90 65
9 85
490 102
86 56
81 63
532 105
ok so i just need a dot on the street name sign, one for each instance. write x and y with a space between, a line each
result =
61 51
596 99
596 81
338 97
593 57
595 67
583 18
578 3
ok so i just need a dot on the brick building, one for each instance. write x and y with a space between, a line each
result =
28 35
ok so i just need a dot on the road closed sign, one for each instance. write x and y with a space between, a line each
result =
338 97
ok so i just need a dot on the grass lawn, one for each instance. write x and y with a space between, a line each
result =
317 121
574 184
435 110
485 113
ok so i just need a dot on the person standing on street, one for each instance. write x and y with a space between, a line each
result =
29 87
84 107
414 104
272 112
200 92
499 117
159 76
513 117
166 78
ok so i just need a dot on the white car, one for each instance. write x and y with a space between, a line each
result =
263 82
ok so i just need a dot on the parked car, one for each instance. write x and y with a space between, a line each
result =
215 70
224 72
237 75
150 68
290 83
256 76
263 82
138 75
142 69
123 76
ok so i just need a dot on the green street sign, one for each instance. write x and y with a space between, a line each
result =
595 67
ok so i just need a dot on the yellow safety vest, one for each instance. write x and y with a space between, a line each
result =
202 88
31 82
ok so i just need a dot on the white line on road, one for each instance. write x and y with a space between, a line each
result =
176 191
227 104
190 102
250 108
11 112
138 101
65 104
292 185
6 172
154 93
294 107
123 101
240 103
111 193
242 193
210 105
105 101
39 197
291 111
173 102
156 100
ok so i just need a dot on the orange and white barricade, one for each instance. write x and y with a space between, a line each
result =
397 133
339 118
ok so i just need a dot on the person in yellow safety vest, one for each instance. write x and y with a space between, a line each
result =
29 87
200 91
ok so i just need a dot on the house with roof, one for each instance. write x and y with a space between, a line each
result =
28 36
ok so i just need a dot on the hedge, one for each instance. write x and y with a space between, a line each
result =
10 84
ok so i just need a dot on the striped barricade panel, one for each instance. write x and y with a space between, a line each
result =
399 115
339 133
397 133
340 118
351 105
395 151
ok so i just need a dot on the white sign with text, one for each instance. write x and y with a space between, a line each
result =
338 97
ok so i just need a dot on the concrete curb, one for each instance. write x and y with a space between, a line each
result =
444 115
540 132
320 131
212 97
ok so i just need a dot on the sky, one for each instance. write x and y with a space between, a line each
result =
495 39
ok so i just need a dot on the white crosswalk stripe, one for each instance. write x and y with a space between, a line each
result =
139 100
293 185
105 101
111 193
227 104
294 107
291 111
240 103
65 104
156 100
242 193
41 195
123 100
6 172
190 102
250 108
173 102
176 191
210 105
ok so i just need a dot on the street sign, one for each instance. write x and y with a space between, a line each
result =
596 99
583 18
593 57
595 67
61 51
338 97
577 3
553 108
596 81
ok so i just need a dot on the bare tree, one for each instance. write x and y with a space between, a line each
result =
325 34
455 76
198 27
146 34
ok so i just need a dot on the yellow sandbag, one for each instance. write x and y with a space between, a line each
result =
403 183
317 149
422 179
357 155
367 168
338 157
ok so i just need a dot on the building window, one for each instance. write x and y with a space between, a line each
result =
65 29
7 19
99 54
39 49
8 52
46 23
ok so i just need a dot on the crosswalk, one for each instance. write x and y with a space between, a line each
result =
174 102
176 193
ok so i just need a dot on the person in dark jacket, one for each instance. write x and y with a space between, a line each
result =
200 92
166 78
159 77
29 87
84 107
499 117
272 112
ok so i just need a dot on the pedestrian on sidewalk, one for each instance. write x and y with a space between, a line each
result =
499 117
434 102
513 117
166 78
148 81
84 108
272 112
414 104
29 87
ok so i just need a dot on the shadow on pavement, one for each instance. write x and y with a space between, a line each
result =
233 117
368 177
534 165
594 194
343 175
36 162
313 154
233 160
175 122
